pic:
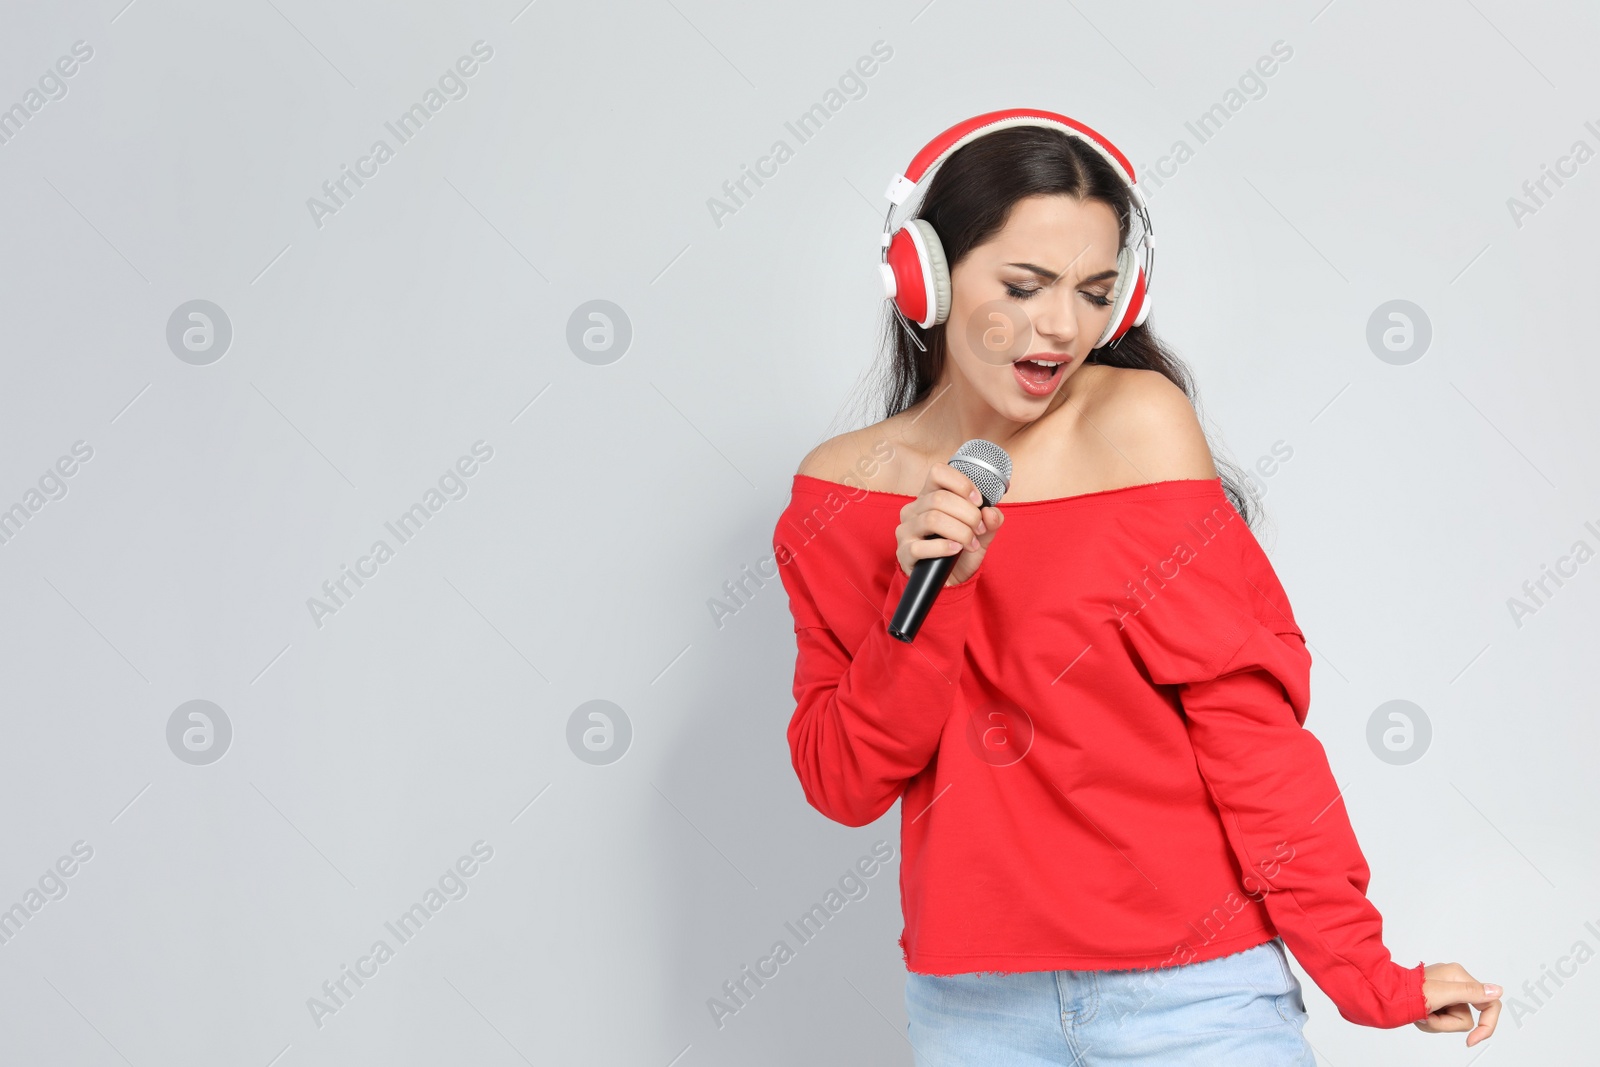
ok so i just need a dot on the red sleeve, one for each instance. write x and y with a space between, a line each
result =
1221 630
868 719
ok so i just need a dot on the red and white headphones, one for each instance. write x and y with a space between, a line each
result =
916 278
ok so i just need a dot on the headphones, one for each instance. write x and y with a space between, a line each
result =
916 277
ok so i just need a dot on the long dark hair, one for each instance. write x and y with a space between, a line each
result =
968 201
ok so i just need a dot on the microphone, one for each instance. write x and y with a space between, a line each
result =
987 464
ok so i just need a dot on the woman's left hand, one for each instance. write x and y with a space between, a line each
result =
1448 990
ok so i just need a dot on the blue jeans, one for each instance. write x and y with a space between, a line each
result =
1243 1010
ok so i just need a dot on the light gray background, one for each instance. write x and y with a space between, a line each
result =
432 311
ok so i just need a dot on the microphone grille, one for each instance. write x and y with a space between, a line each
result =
987 464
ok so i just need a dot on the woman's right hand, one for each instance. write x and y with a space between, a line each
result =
950 512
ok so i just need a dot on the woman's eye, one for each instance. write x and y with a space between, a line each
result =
1024 294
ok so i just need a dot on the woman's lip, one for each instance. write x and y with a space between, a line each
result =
1038 388
1048 357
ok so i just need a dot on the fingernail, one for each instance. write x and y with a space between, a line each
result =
975 497
981 527
1492 990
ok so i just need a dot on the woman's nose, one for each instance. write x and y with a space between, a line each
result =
1056 318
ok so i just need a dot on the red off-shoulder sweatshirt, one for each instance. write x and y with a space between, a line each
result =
1098 741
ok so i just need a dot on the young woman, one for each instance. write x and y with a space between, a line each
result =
1113 822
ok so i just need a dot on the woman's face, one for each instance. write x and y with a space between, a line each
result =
1040 288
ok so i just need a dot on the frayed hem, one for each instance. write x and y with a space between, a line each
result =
975 974
949 968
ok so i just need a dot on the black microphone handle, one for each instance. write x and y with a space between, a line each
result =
928 576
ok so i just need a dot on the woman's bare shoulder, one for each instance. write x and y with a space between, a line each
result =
872 457
1152 423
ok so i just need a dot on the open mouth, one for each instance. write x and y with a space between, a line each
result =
1038 376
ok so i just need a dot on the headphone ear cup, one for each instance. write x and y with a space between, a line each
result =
1122 291
937 270
1144 303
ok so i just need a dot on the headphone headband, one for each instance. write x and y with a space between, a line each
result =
934 153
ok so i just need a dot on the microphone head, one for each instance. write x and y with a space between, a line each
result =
987 464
